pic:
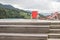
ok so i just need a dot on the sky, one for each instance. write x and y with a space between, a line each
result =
43 6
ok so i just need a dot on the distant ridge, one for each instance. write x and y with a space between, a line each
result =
8 11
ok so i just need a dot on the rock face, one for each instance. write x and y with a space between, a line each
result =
54 16
29 30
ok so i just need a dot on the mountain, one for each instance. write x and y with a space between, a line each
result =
8 11
7 6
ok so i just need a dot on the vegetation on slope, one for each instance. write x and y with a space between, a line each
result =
8 11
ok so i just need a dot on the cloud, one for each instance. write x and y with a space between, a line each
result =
57 0
40 5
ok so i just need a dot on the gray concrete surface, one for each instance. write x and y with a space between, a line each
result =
29 29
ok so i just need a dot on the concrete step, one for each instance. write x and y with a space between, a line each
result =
55 23
24 23
55 26
24 29
54 30
53 39
14 36
53 35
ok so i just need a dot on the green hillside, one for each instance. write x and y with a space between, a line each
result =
8 11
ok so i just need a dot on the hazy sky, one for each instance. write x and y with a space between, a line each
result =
44 6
